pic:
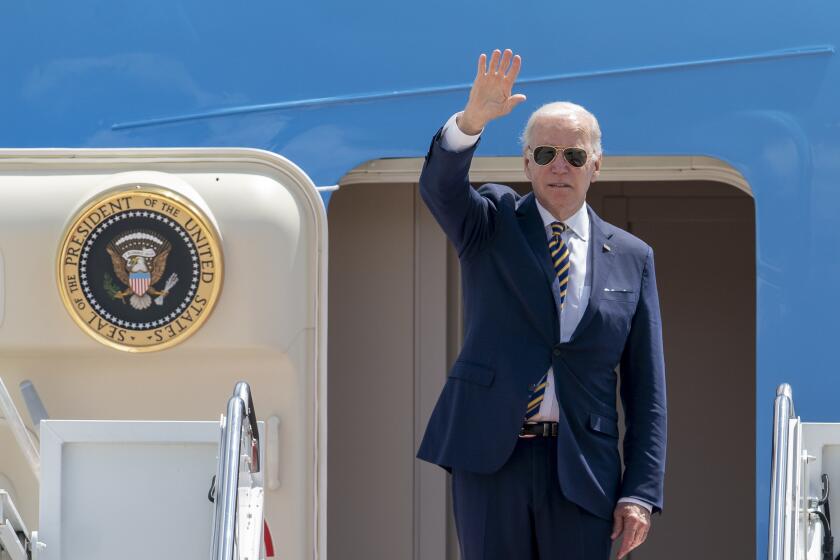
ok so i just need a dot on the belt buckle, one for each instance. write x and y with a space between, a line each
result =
526 436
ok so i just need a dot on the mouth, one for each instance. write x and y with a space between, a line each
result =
560 185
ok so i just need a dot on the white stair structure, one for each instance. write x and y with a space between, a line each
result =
806 459
141 489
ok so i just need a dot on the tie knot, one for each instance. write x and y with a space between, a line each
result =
558 227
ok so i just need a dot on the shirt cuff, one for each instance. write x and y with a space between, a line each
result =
453 139
637 501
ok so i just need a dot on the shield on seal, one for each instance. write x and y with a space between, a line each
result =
139 282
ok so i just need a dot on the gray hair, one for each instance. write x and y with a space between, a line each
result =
572 111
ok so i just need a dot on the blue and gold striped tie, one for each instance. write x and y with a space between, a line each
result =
560 259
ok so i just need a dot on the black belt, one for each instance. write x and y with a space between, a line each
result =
542 429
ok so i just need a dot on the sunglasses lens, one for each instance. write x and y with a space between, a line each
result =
575 156
543 155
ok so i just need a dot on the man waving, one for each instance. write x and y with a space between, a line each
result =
555 299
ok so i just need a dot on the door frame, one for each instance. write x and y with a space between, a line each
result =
434 533
510 170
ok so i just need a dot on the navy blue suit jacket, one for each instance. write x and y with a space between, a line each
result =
512 337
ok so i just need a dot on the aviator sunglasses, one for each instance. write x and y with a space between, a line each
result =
543 155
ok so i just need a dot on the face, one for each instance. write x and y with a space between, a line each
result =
560 187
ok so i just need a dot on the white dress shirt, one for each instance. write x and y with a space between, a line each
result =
576 238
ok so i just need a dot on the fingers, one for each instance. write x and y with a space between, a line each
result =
629 540
494 62
482 66
514 100
505 64
513 72
643 535
634 523
618 524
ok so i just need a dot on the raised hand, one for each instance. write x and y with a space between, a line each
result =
490 96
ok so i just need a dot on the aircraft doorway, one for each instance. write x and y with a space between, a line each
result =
394 328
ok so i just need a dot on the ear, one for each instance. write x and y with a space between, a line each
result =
527 167
596 169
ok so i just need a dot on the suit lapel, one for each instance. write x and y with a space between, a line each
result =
603 259
533 230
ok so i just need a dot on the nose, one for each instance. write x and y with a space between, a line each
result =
559 164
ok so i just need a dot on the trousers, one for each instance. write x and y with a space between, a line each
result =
519 512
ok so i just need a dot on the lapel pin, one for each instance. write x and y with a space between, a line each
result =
607 248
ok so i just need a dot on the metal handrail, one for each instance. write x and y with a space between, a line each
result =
240 406
243 390
783 413
10 412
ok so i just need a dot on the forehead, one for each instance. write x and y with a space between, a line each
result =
559 130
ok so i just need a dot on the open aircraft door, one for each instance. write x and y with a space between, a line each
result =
137 287
806 460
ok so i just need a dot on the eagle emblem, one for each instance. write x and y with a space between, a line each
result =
138 258
121 258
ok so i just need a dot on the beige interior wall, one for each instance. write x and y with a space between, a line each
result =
370 378
387 356
390 341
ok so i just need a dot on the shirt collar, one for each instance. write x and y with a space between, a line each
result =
578 222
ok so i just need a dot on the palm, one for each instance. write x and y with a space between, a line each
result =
490 96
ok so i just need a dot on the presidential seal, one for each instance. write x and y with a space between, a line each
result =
140 268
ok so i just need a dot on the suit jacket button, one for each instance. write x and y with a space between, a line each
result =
556 352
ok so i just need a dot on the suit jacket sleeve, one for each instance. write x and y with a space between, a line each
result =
643 397
465 216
